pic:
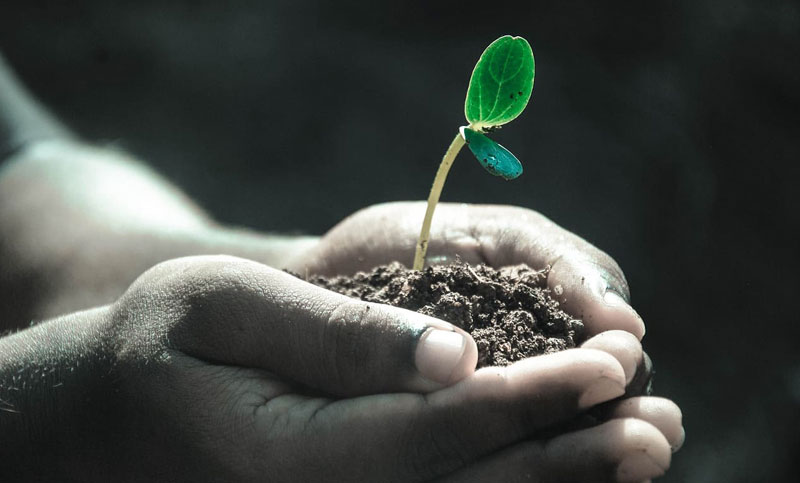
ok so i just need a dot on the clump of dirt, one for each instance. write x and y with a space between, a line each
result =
509 312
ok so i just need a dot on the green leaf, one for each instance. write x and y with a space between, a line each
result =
501 83
493 157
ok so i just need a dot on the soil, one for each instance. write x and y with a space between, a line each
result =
509 312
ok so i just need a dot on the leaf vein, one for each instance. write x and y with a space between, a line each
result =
499 82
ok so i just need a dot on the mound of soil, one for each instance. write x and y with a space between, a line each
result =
509 312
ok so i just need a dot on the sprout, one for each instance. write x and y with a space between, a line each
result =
498 92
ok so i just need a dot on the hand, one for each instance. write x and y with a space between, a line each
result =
222 369
213 369
588 283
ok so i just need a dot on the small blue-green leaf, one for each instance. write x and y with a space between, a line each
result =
495 158
501 83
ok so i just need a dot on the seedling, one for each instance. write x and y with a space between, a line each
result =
498 92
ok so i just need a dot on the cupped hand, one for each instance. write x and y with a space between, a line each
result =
586 281
228 370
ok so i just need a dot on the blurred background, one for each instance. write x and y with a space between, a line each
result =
667 133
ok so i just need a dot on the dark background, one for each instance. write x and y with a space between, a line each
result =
664 132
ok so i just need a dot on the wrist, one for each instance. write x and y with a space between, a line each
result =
56 391
277 251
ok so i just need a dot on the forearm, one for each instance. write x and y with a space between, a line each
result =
79 223
22 119
56 395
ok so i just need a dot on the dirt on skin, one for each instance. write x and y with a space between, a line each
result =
509 312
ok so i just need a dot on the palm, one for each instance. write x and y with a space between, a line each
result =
415 437
585 280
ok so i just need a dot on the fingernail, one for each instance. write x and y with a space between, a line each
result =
594 282
439 353
642 382
613 299
604 389
638 467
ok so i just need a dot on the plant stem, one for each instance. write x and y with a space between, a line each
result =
433 199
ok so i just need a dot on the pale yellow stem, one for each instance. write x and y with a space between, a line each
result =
433 199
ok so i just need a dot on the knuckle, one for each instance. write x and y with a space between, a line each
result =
167 303
347 346
602 267
181 271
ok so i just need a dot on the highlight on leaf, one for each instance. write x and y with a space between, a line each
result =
501 83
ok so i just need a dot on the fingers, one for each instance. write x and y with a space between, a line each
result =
628 350
624 346
621 450
421 437
636 450
388 232
239 312
642 383
466 428
661 413
586 281
583 289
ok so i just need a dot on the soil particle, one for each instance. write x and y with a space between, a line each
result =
509 312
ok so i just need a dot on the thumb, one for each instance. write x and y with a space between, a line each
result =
594 290
255 316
